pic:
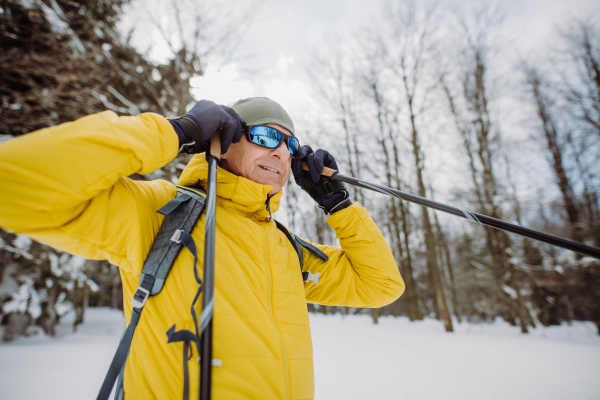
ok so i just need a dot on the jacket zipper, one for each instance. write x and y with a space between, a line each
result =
286 377
268 204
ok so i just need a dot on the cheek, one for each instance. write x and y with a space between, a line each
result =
288 167
253 154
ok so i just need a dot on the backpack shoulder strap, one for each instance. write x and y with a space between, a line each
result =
292 238
181 215
298 244
314 250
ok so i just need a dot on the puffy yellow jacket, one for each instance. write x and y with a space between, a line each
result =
67 186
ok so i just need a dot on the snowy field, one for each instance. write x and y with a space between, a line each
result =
354 359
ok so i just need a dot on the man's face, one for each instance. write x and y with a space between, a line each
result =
257 163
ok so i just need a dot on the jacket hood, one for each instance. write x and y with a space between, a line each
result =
234 192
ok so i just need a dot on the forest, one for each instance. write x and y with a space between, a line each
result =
429 100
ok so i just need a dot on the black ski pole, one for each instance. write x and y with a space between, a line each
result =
471 216
213 156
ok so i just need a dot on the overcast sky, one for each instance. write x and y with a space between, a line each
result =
284 31
271 60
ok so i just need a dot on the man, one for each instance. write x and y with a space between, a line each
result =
67 186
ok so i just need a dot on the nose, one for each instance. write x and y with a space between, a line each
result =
281 152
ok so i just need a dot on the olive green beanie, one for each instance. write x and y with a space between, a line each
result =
262 111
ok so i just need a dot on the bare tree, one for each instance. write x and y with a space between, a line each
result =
556 150
333 84
409 50
579 86
291 197
192 33
581 42
480 136
444 254
398 214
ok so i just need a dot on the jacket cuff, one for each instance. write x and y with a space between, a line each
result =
347 202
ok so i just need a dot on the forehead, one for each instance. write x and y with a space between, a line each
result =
280 128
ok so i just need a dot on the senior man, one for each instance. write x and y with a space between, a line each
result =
67 186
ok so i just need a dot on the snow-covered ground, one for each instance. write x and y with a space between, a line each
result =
354 359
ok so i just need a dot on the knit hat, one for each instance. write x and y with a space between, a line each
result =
262 111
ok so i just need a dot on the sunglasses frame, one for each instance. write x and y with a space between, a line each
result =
284 138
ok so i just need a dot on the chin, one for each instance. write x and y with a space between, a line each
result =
275 186
267 180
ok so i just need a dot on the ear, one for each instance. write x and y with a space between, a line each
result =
233 145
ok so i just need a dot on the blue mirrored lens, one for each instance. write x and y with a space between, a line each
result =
265 136
293 145
271 138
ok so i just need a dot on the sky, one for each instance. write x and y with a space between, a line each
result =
272 57
279 43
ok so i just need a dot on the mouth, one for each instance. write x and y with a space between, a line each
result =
269 169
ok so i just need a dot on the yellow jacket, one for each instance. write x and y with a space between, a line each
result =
67 186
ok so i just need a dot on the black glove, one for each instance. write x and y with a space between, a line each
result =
331 195
196 128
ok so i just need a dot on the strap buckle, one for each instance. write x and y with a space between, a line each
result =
176 236
136 302
309 276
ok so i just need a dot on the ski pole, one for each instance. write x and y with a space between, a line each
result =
459 212
213 156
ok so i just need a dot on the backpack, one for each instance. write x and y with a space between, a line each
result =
181 215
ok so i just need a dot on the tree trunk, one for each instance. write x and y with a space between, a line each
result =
446 249
397 222
556 151
292 203
375 315
48 319
432 261
15 325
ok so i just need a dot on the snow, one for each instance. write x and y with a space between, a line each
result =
22 242
133 109
354 359
107 103
396 359
24 300
56 19
22 250
6 138
510 291
68 366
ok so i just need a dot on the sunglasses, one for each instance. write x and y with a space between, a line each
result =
271 138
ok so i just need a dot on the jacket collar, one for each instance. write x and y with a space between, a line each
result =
233 192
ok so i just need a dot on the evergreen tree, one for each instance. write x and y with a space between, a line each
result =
61 60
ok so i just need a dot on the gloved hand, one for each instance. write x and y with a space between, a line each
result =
197 127
331 195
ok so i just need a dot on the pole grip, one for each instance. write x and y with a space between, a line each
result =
326 171
215 146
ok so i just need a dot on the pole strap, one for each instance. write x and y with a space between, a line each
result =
186 337
188 242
